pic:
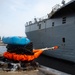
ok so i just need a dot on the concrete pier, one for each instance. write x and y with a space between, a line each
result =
40 71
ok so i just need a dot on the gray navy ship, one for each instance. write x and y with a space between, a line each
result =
58 28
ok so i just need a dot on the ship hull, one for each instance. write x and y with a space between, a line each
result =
63 36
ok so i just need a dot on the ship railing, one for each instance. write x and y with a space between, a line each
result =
42 18
36 20
54 9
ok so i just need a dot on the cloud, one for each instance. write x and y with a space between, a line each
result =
42 8
14 13
18 5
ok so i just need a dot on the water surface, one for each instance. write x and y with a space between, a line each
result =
2 49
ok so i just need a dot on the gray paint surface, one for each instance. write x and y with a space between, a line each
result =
50 35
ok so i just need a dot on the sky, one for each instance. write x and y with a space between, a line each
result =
15 13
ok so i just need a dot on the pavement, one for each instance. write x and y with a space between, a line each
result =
40 71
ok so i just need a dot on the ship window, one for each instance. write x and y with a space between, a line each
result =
52 23
63 20
63 40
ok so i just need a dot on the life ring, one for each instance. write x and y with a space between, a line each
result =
24 57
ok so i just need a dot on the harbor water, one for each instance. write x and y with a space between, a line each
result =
2 49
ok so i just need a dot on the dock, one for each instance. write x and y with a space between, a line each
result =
40 71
